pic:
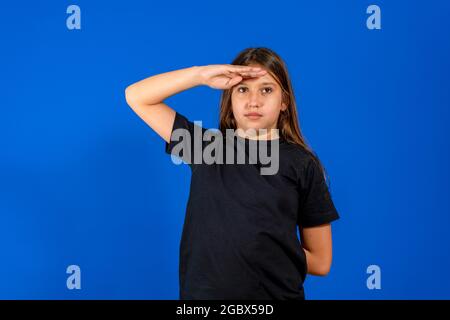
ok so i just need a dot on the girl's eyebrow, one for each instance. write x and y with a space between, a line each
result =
264 83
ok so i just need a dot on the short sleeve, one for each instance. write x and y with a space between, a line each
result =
183 134
316 206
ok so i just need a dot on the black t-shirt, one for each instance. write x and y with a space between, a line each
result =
239 238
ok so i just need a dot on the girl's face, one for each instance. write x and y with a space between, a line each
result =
257 103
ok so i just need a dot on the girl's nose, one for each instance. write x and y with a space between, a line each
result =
254 100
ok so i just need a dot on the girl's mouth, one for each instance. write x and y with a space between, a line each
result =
253 115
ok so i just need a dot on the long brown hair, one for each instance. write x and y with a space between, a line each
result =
288 120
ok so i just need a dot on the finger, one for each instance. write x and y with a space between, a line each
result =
253 74
254 70
244 69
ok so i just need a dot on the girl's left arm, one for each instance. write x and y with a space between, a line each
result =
317 243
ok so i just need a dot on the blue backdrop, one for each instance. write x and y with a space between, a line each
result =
83 181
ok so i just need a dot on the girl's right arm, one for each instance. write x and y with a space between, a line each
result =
146 97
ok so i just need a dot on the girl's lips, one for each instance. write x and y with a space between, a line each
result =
253 115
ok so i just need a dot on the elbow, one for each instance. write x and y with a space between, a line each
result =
129 97
132 97
323 267
323 270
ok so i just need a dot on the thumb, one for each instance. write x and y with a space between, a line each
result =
234 81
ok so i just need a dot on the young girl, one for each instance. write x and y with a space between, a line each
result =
239 238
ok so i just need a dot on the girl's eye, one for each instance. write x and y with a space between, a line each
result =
269 90
265 90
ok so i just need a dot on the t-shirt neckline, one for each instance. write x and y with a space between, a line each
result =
280 140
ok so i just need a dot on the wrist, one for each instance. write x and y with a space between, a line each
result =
197 71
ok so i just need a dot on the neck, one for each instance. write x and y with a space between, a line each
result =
262 134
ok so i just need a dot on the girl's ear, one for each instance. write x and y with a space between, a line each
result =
283 106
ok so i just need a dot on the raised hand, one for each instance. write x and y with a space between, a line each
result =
225 76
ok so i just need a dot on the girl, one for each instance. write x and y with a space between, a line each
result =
239 238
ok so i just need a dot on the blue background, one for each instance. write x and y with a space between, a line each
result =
84 181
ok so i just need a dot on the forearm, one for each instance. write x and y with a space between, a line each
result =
157 88
317 265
